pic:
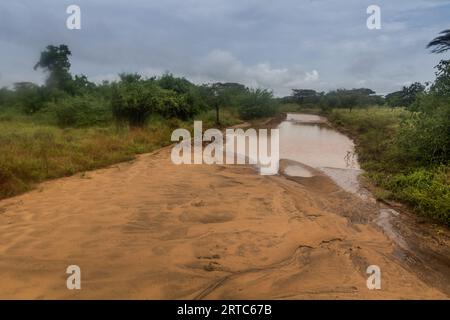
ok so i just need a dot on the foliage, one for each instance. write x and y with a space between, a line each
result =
135 102
179 85
405 97
405 152
55 61
426 189
441 85
257 103
81 111
302 96
441 43
340 98
30 97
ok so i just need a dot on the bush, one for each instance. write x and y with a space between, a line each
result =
257 104
179 85
30 97
428 191
135 102
405 152
424 137
81 111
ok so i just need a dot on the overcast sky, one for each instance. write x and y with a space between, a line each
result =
276 44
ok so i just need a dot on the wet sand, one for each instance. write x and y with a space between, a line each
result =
148 229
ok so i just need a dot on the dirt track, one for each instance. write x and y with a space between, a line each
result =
151 230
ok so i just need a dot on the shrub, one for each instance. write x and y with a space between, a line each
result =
30 97
135 102
257 104
424 138
428 191
406 152
81 111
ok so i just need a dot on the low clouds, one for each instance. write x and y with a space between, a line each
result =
220 65
317 44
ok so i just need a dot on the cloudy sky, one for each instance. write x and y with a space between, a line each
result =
276 44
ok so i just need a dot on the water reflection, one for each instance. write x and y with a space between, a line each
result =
308 140
315 144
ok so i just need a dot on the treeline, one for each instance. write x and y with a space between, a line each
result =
364 97
74 101
340 98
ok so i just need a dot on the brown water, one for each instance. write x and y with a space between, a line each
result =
308 140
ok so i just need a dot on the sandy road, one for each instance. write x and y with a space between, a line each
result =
148 229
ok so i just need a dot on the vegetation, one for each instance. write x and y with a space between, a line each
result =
407 150
70 124
441 43
398 159
340 98
403 139
405 97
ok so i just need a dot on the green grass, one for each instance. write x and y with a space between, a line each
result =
33 149
227 117
31 153
425 188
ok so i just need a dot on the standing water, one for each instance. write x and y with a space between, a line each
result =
307 140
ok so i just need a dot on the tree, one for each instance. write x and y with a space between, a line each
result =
441 85
179 85
305 96
394 99
81 84
55 61
257 103
405 97
409 94
5 96
441 43
130 77
344 98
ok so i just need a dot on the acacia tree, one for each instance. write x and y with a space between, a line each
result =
305 95
55 61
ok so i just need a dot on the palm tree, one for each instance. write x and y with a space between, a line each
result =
441 43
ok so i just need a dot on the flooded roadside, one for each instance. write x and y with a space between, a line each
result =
309 147
306 139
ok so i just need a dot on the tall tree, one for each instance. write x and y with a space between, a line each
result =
441 43
55 61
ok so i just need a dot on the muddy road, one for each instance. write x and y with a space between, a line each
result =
148 229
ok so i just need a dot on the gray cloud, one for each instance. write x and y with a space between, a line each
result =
319 44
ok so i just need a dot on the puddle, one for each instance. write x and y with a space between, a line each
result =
306 139
316 145
305 118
